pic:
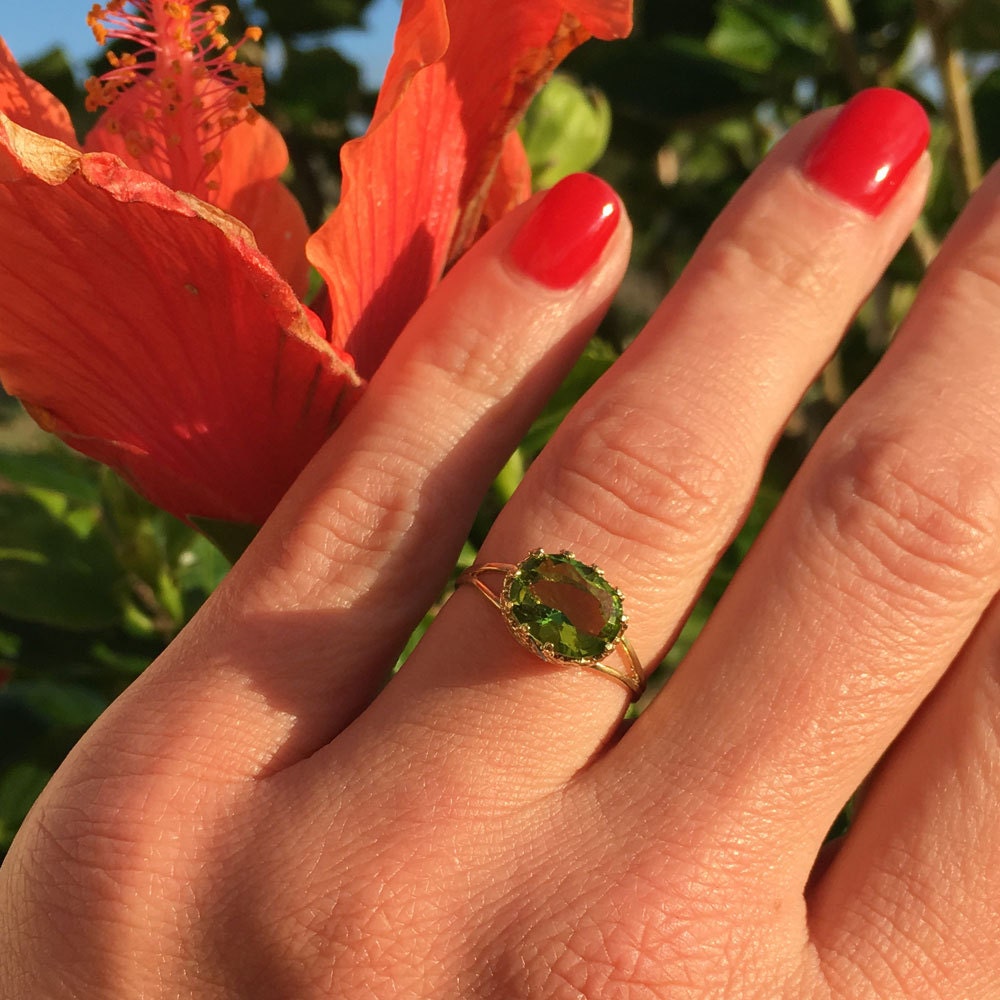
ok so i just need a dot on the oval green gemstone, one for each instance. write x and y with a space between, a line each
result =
562 608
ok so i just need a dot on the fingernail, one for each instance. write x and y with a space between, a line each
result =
566 234
870 148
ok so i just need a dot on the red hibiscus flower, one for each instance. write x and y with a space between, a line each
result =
150 281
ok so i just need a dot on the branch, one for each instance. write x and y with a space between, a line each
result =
924 242
841 18
958 108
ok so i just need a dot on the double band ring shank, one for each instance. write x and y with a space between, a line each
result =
547 628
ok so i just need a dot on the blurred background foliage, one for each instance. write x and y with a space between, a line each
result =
94 582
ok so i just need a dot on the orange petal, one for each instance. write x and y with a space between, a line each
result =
245 183
254 156
511 184
146 329
415 186
28 103
275 216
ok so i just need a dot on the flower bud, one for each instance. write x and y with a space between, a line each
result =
565 130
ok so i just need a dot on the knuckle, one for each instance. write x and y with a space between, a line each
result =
793 269
357 525
641 936
652 481
463 354
922 524
969 276
972 283
473 363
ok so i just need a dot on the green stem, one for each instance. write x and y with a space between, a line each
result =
841 17
832 381
510 476
958 105
924 242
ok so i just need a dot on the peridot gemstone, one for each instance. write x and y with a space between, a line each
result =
563 609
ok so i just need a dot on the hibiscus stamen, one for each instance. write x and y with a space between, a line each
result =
193 91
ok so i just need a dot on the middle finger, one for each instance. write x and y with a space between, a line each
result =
652 473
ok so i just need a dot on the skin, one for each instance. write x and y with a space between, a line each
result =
255 817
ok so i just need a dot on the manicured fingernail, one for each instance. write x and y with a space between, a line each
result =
869 149
566 234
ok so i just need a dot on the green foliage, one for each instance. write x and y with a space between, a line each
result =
20 785
986 106
755 35
317 85
54 70
977 25
311 16
93 584
56 568
229 537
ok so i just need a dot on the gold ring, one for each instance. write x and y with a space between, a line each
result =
564 611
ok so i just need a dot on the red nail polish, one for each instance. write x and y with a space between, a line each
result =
566 234
870 148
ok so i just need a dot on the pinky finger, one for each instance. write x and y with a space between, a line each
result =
913 894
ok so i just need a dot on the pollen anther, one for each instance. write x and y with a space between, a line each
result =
193 87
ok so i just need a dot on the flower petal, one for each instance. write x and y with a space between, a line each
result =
511 183
146 329
254 156
28 103
275 217
246 183
415 186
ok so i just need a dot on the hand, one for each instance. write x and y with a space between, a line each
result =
255 818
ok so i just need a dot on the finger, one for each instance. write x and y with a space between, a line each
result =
911 902
652 473
865 583
312 618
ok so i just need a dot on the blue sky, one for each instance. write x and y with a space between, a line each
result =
32 28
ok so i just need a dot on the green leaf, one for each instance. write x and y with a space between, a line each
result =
761 37
49 574
54 71
664 82
311 16
978 26
509 477
230 537
763 506
986 105
58 471
61 703
694 20
741 39
593 363
201 566
136 527
318 84
10 645
417 635
116 662
20 785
